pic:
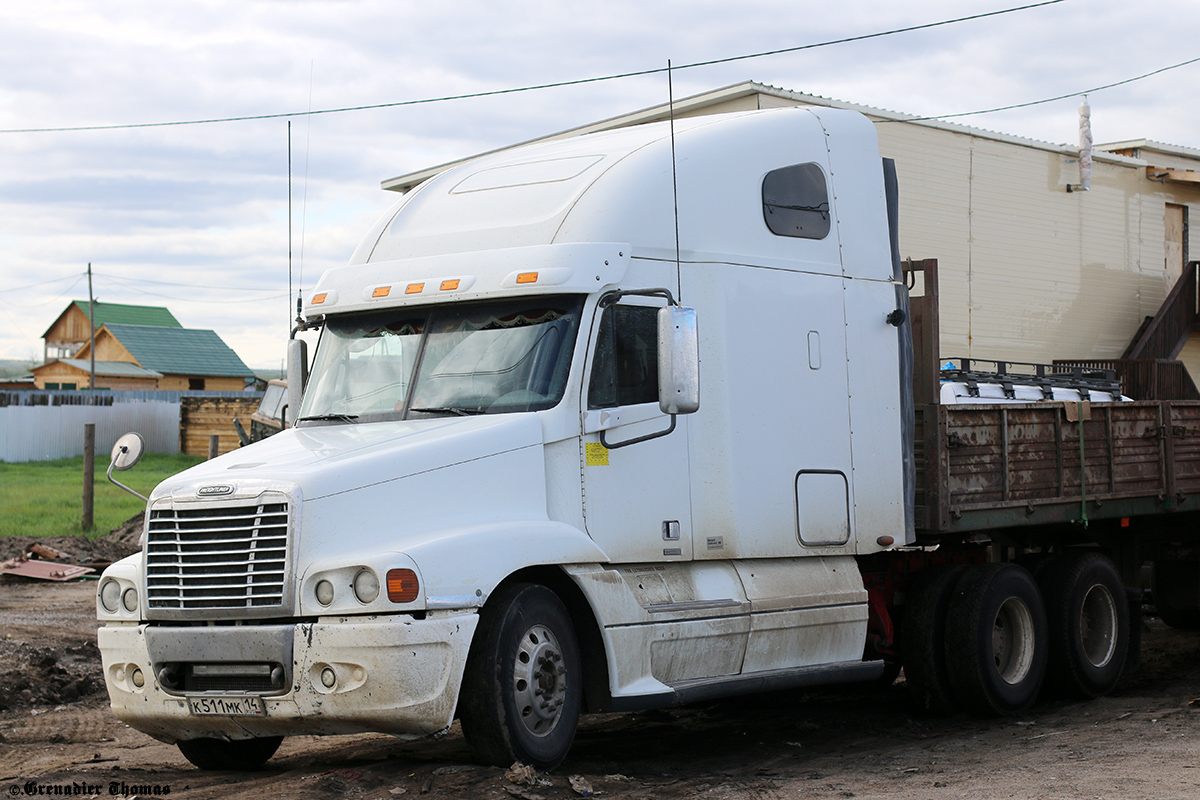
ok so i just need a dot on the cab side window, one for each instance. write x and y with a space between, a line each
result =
796 202
625 367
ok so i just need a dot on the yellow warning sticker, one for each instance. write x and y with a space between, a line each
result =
597 454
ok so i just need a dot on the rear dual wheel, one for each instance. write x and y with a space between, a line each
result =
1176 593
996 637
1088 618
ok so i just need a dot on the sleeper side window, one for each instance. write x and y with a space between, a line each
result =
625 367
796 202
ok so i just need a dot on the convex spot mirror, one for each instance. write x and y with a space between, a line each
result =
678 361
128 450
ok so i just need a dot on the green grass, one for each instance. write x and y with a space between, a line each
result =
45 498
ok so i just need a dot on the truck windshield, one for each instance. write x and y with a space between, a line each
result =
479 358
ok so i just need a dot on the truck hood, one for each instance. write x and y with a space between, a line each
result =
328 460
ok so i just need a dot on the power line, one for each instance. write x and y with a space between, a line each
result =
1050 99
559 84
222 301
75 275
168 283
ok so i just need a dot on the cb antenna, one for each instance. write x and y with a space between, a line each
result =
674 178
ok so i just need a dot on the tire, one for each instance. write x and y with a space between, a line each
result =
923 633
522 689
1087 614
1176 594
996 640
241 755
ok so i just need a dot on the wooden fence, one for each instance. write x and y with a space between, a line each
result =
201 417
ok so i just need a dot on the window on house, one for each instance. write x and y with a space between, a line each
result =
70 386
50 385
796 202
195 384
625 367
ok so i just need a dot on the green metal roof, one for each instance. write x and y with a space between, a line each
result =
180 351
122 369
121 314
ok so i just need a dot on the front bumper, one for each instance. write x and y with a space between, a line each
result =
394 674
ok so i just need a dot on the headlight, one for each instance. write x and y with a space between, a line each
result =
110 595
324 592
366 586
129 599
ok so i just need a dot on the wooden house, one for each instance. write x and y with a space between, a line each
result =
71 331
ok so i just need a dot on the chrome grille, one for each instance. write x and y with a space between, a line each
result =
221 557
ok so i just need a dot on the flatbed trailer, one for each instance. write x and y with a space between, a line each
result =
1039 474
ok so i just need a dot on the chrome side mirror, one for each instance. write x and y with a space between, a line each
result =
678 361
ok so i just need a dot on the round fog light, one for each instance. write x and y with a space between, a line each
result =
324 592
110 595
129 600
328 679
366 586
139 680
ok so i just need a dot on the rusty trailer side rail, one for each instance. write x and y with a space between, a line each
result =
1010 465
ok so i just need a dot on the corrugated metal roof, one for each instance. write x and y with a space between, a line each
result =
180 351
122 314
695 105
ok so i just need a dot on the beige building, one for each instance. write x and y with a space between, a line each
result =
1031 268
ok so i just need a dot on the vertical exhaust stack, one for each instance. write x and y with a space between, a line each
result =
1085 149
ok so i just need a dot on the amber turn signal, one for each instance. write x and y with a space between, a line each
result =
402 585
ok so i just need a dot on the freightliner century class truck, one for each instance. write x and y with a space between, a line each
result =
553 458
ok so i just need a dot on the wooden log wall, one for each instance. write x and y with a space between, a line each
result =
200 417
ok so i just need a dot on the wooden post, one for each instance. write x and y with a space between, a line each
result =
213 446
89 474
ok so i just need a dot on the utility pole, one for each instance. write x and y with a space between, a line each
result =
91 329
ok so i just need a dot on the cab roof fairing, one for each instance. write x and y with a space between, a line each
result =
616 186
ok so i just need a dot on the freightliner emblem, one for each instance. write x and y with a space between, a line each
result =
215 490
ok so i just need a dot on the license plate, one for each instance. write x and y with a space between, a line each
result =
227 706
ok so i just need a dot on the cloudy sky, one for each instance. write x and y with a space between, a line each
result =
195 217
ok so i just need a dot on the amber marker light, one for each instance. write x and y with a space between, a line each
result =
414 288
449 286
317 299
381 291
402 585
527 277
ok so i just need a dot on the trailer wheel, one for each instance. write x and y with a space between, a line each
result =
1088 618
1176 593
996 639
522 689
923 636
241 755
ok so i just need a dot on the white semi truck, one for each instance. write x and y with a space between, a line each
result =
575 440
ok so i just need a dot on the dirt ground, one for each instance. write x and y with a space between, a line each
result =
57 736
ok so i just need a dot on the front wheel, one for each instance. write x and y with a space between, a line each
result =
522 689
241 755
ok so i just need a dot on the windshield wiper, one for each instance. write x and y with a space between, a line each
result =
329 418
462 412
